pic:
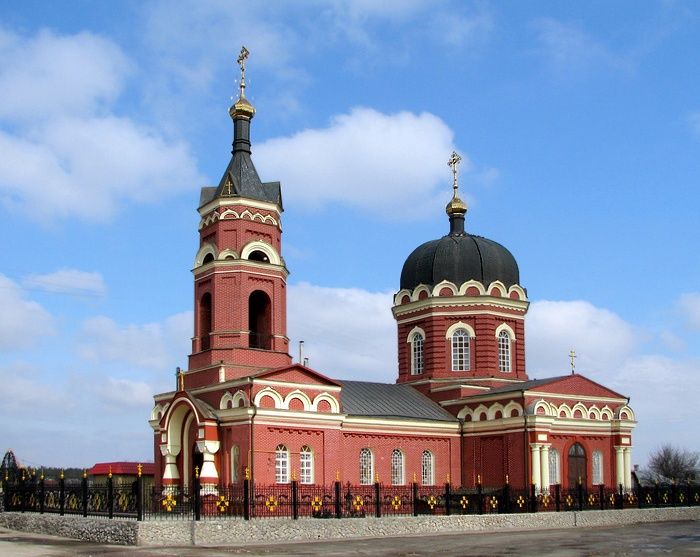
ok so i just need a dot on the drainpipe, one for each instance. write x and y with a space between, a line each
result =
526 444
252 437
461 451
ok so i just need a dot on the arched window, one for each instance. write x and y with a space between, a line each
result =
208 258
366 467
461 357
235 463
417 342
577 465
306 465
259 320
427 477
597 464
397 475
258 255
281 465
204 321
554 467
504 352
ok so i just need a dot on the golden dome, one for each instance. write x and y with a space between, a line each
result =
456 206
242 108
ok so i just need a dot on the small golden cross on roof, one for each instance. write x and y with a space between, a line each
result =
241 62
572 356
454 161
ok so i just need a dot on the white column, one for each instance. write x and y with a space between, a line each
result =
619 466
544 466
208 475
535 459
628 468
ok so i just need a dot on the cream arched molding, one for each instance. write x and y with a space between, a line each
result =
229 213
225 399
581 408
512 405
475 283
206 249
547 408
238 397
460 325
299 395
478 411
404 292
409 338
606 413
445 284
331 400
563 407
227 254
508 329
595 411
491 415
497 284
464 412
267 249
518 290
175 417
625 410
159 410
274 395
417 292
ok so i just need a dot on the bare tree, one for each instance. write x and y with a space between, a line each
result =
673 463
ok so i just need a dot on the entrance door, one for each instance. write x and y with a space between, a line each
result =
577 465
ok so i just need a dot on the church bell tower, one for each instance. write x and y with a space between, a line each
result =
240 278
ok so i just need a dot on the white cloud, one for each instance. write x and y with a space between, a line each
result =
22 321
602 339
49 74
68 281
689 305
66 154
348 333
23 389
121 392
152 345
569 50
377 162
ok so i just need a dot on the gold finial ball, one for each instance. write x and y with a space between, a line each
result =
456 206
242 108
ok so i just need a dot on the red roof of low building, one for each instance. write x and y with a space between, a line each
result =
122 468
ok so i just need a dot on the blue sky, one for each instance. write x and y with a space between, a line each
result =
579 125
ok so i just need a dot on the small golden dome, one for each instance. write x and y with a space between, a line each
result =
456 206
242 108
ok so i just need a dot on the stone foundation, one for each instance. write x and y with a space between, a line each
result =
265 531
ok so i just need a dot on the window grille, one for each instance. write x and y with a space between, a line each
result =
417 354
366 467
460 351
597 467
427 477
397 477
504 352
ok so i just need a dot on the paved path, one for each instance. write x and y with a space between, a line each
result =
667 538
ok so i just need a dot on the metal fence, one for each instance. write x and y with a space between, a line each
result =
246 500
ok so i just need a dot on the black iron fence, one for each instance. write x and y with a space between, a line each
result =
246 500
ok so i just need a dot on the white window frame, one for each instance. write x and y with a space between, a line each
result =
281 464
427 468
461 350
366 462
417 352
397 468
306 465
504 351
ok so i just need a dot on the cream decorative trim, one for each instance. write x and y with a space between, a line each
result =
508 329
272 393
229 267
461 290
335 407
227 254
158 411
206 249
462 309
460 325
225 203
287 384
259 245
299 395
409 338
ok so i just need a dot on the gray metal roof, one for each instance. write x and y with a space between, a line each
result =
361 398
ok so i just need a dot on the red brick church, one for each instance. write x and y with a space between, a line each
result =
462 409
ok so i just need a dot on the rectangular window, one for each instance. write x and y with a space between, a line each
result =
306 467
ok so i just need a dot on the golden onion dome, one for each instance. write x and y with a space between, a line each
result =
456 206
242 107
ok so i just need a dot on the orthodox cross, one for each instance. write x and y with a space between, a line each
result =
573 356
241 62
454 161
